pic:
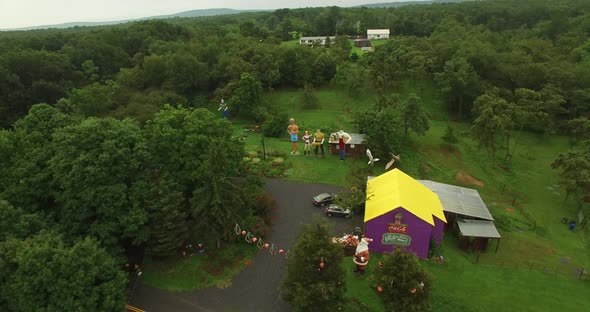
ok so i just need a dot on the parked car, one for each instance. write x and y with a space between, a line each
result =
335 210
323 199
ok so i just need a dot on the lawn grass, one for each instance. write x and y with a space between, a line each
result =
198 271
534 242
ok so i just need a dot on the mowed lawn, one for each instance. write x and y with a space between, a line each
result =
539 257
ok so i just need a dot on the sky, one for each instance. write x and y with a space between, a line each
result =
24 13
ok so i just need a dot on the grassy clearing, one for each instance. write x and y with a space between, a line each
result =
532 233
198 271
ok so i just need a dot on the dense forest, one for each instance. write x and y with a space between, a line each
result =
108 146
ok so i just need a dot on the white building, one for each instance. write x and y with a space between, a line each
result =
316 40
377 34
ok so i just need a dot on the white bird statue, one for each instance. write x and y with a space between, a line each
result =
371 159
393 159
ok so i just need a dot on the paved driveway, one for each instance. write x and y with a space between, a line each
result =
256 287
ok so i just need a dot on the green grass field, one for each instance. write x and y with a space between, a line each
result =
198 271
537 261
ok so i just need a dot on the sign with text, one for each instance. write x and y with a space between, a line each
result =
397 228
396 239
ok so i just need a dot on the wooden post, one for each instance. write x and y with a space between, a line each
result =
497 245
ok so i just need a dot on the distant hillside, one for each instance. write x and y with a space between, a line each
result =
192 13
398 4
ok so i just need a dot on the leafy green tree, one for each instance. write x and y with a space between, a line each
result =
574 167
404 284
414 117
459 81
580 128
45 274
310 100
352 78
324 67
246 98
384 130
14 222
27 182
185 74
94 99
449 136
309 285
90 71
494 116
95 166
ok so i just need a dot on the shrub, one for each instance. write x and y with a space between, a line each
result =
449 136
264 207
276 125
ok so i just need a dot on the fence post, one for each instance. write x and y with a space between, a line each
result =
581 273
477 259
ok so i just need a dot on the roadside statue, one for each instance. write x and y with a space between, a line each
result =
293 131
318 142
361 254
223 108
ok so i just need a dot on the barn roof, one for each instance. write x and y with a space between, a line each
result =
478 228
377 31
459 200
395 189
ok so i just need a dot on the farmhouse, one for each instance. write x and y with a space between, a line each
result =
315 40
402 212
373 34
467 215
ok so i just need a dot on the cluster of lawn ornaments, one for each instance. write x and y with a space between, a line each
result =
261 244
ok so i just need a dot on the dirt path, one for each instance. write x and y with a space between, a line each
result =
256 288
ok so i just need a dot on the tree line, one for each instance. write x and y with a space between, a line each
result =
77 193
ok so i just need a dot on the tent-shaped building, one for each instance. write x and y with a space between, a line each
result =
401 211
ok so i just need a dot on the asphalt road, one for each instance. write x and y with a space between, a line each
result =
255 289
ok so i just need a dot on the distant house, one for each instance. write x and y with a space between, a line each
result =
373 34
316 40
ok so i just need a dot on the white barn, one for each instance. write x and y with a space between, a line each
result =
377 34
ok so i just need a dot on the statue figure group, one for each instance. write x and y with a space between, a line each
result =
316 140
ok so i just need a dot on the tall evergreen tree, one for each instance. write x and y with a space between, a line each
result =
167 217
315 277
414 116
403 284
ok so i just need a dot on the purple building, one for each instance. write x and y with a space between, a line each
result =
402 212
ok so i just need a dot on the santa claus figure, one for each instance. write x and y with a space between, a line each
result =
361 255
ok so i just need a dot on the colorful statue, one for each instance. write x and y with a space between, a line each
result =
223 108
293 131
361 254
343 139
318 142
307 140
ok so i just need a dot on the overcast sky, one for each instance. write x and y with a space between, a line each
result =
23 13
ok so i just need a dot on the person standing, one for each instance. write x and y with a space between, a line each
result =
307 140
293 131
343 139
223 109
318 142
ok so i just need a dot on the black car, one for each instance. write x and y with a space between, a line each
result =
323 199
334 210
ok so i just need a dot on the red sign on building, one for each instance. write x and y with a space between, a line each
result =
397 228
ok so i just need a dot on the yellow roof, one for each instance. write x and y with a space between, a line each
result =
395 189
